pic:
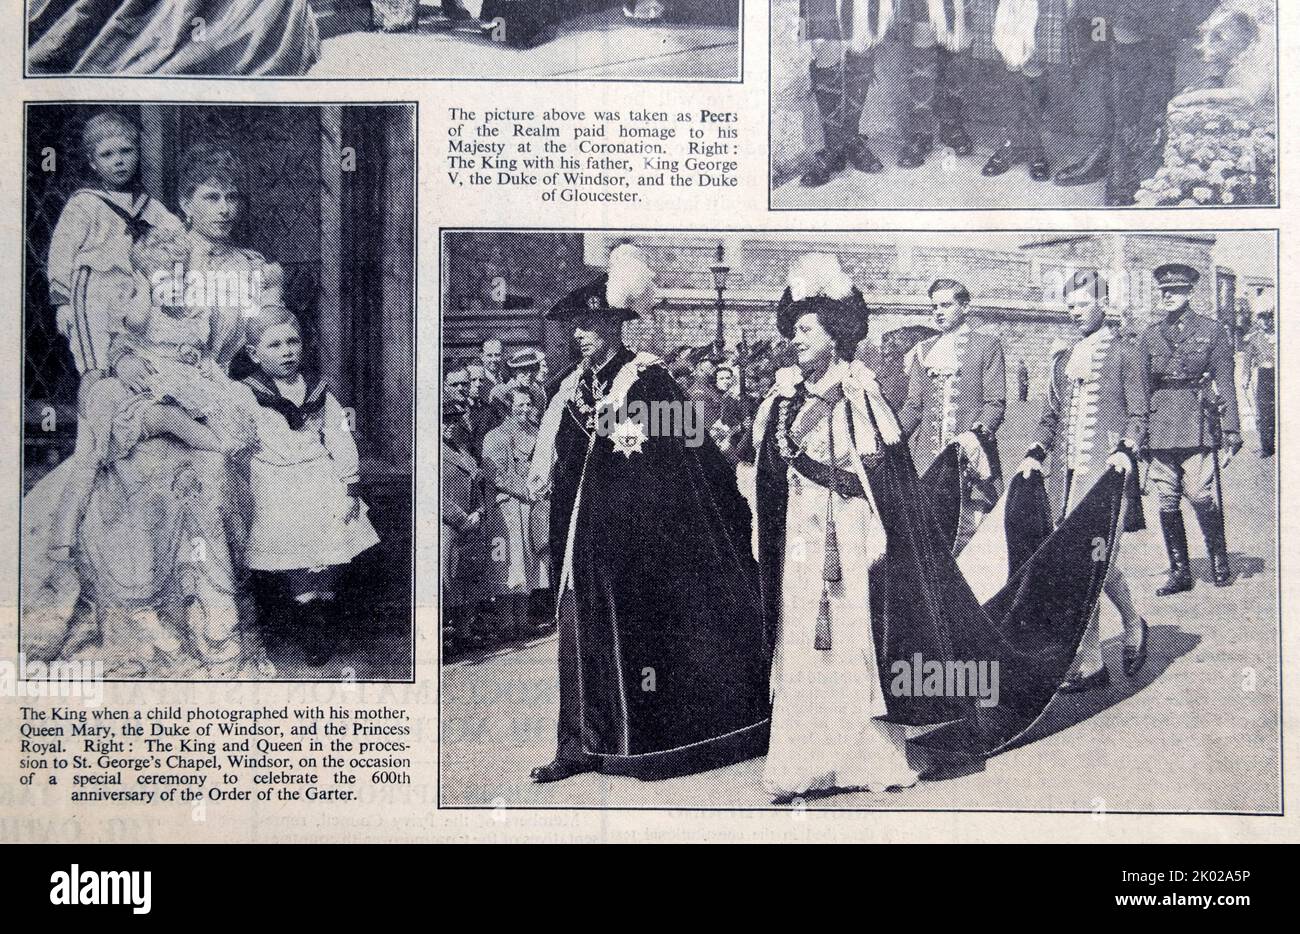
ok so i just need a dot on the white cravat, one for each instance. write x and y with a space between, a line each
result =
943 356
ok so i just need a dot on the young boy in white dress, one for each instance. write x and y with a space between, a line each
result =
307 519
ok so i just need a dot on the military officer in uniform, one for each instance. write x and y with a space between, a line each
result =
957 391
1189 360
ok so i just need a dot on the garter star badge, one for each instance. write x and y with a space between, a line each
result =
628 437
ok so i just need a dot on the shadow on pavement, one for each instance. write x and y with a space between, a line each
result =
1166 644
1243 567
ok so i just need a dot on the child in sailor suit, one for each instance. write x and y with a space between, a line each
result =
307 520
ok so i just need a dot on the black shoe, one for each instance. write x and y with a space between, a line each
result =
1180 580
914 151
825 166
1001 161
319 632
955 137
858 155
560 769
1135 658
1094 682
1040 168
1180 573
1092 168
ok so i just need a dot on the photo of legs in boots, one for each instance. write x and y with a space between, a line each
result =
976 104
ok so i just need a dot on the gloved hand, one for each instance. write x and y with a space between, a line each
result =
1029 465
1119 461
539 486
1232 441
970 444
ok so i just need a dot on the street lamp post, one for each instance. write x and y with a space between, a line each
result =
720 273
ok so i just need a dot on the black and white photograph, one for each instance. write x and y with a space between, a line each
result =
986 104
218 432
892 520
636 40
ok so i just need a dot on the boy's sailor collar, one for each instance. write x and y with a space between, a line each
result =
128 205
270 397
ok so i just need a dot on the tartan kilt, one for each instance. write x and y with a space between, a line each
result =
833 19
1051 40
1153 19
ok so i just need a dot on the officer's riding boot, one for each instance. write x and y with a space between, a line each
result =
1180 572
828 91
858 73
1211 519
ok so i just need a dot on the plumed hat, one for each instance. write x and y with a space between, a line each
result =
624 292
816 284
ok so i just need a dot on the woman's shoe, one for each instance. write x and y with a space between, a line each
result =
1135 656
1093 682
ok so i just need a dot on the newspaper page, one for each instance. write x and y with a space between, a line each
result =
657 420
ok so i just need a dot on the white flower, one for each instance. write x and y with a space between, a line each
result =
787 381
1202 194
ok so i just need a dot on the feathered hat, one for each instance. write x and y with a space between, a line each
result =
624 292
817 284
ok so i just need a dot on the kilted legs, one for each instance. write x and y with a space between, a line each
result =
840 90
934 86
1022 133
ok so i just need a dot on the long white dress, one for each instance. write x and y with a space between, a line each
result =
825 733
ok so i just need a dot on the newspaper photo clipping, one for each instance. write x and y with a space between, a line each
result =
646 421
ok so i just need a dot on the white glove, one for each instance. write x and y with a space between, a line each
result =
1029 465
970 444
1119 461
539 486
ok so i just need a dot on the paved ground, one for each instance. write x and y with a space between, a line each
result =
1197 731
955 183
597 45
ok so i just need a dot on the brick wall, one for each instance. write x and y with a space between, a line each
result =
1012 287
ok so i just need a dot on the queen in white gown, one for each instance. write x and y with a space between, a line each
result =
826 691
